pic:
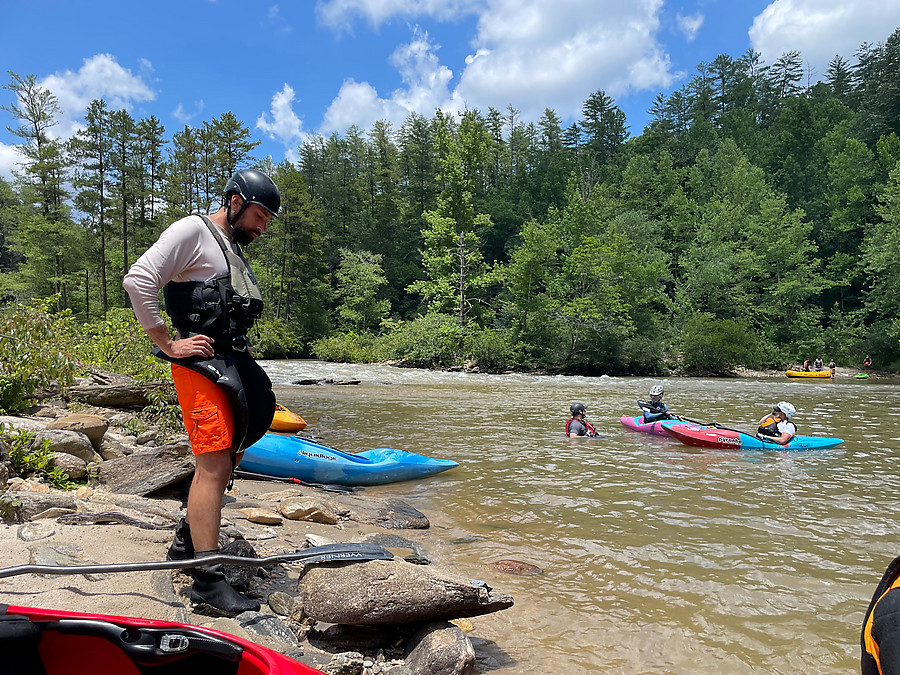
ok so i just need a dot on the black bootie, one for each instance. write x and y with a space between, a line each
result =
182 547
211 588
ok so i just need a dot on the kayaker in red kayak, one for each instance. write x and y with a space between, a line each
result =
777 425
577 424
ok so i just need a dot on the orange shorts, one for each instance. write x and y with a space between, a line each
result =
205 409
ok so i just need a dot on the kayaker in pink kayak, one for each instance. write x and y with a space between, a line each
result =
654 409
777 425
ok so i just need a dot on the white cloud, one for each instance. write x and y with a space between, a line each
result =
285 126
100 76
276 21
689 25
426 88
820 29
186 116
531 54
10 159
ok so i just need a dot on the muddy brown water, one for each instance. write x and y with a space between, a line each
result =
656 557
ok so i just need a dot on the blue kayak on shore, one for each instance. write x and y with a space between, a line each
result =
299 457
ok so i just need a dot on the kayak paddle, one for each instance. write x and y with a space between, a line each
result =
347 552
328 487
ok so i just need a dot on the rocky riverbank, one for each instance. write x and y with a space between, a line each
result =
401 614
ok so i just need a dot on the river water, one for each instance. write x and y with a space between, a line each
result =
656 557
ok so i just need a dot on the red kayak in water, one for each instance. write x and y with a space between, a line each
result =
51 642
718 437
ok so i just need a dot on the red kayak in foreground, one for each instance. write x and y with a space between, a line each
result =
51 642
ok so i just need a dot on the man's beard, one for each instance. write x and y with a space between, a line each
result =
240 235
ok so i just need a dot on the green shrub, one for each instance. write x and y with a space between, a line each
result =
29 458
716 346
118 343
34 353
431 341
276 339
346 348
492 350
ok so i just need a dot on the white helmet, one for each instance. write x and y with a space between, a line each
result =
786 408
656 390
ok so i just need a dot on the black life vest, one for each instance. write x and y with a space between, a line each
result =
222 308
881 626
769 426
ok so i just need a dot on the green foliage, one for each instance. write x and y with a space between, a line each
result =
716 346
276 339
431 341
359 278
118 343
34 353
493 350
163 412
346 348
30 458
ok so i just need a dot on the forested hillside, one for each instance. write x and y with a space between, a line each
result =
754 221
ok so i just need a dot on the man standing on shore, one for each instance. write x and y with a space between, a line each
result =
226 398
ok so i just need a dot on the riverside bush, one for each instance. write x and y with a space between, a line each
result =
29 458
346 348
431 341
118 343
276 339
716 346
34 352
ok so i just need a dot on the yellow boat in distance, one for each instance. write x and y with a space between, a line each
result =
286 421
808 373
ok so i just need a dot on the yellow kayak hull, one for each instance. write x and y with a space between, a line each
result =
286 421
810 373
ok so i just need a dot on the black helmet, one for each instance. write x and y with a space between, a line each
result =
255 187
577 408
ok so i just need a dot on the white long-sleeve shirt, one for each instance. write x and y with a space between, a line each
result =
185 251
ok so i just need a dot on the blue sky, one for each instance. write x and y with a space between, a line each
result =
290 70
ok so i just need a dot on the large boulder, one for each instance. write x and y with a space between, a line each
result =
391 592
70 442
147 470
440 648
74 467
389 513
92 426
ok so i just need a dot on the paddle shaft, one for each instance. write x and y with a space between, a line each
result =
327 553
760 438
240 473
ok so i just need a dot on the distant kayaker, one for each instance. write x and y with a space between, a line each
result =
777 426
819 363
806 366
577 424
654 409
867 362
226 398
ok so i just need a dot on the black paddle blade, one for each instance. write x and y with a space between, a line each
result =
349 552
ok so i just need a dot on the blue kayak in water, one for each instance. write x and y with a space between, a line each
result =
298 457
